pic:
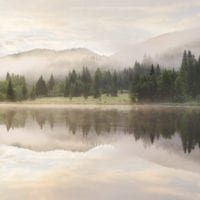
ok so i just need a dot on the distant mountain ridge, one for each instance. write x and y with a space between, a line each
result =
166 49
44 61
39 52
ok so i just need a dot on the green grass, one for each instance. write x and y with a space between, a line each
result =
121 99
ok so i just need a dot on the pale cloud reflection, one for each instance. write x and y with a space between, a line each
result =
103 172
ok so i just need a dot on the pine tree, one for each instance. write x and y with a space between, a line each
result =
33 93
158 71
107 82
41 88
51 83
114 84
86 82
152 71
166 85
24 91
180 95
67 88
8 76
10 91
78 88
97 83
72 79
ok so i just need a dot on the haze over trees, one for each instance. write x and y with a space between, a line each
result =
145 83
170 85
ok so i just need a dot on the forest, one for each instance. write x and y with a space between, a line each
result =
144 83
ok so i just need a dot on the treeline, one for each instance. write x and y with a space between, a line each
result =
143 82
169 85
76 84
13 88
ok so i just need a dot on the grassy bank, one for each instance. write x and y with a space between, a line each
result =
121 99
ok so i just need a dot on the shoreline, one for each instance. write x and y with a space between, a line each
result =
121 102
57 105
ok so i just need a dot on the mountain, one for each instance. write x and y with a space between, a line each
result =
44 62
166 49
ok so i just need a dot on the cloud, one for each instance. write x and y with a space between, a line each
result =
104 26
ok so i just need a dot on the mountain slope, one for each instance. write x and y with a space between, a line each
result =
43 61
166 49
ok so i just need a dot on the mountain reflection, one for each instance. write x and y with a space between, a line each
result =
146 124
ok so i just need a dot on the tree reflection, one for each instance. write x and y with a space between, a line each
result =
146 124
13 119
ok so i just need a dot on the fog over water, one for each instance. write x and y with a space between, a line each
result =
143 153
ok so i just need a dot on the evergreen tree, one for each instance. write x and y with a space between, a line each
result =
158 71
180 94
114 84
77 89
24 91
166 85
33 93
145 89
8 76
51 83
41 88
10 91
72 79
67 88
97 83
107 82
189 74
152 71
198 76
184 72
132 91
86 82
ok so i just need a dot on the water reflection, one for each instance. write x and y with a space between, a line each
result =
148 125
146 153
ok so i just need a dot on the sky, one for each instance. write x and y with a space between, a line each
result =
104 26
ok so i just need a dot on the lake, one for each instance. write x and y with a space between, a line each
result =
144 152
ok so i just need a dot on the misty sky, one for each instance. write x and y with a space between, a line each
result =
104 26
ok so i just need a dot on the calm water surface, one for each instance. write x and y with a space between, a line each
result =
142 153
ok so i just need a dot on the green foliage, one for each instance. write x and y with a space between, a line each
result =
145 89
145 82
114 88
132 93
67 88
58 89
24 91
33 93
107 82
190 74
41 88
86 81
166 85
10 91
51 83
97 83
3 90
